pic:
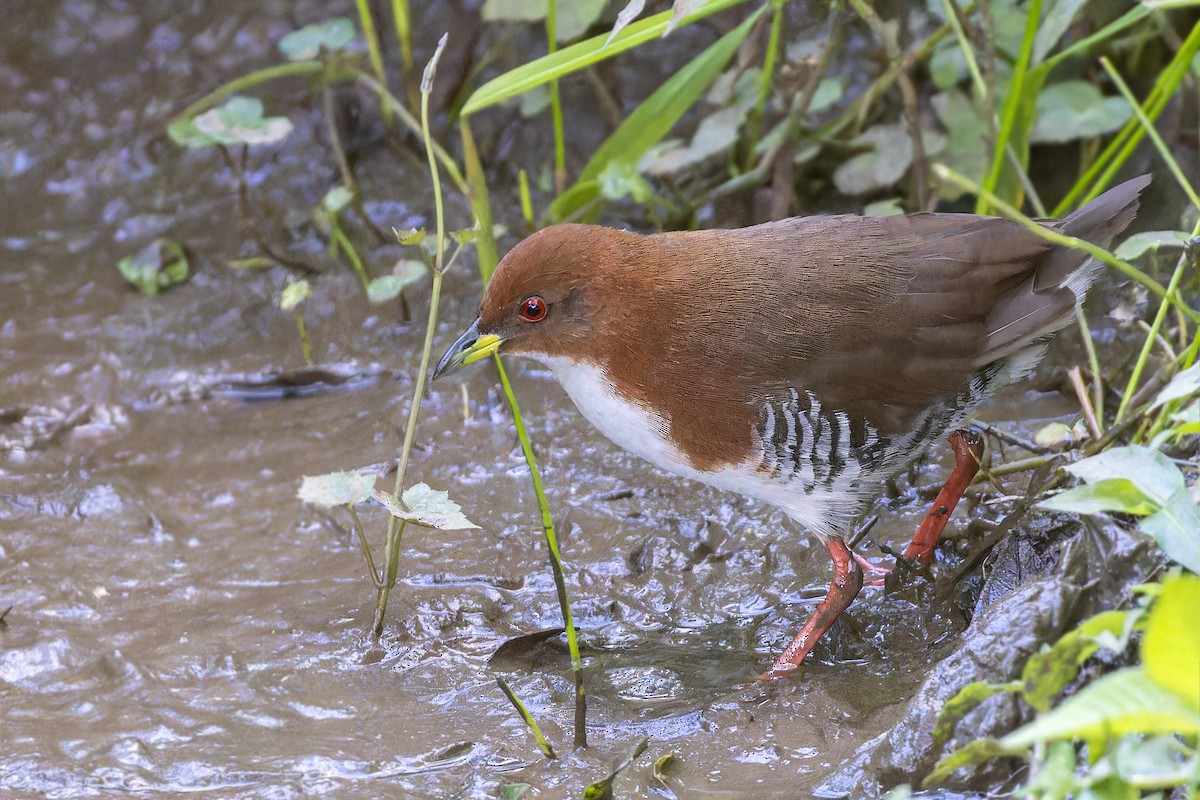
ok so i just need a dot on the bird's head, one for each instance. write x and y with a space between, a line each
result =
545 298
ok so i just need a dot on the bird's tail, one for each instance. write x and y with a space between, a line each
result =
1046 301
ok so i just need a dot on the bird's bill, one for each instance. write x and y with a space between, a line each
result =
469 348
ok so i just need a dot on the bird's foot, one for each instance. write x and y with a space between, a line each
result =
871 568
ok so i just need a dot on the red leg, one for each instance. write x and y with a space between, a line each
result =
846 583
968 450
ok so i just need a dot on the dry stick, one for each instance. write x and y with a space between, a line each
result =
1011 438
1085 402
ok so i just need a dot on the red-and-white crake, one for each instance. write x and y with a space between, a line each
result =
800 362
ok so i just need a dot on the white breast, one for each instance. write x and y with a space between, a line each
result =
826 512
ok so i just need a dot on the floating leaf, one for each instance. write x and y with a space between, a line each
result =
307 43
157 266
388 287
336 489
295 293
426 506
1055 434
1149 242
1076 110
237 121
1171 647
336 200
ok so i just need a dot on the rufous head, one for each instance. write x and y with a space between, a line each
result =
547 297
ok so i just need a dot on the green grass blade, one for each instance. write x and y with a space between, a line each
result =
1017 119
542 742
651 120
556 567
578 56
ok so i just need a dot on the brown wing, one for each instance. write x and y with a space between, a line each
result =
884 316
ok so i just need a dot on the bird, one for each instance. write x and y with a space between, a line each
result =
800 362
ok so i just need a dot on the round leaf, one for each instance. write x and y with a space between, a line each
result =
306 43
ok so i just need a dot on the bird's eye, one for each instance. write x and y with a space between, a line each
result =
533 309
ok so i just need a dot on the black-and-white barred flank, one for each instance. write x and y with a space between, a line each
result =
808 445
805 443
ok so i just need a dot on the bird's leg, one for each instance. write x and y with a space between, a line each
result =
968 450
846 583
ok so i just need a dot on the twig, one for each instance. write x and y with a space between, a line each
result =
1085 402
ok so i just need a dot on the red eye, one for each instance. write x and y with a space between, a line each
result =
533 309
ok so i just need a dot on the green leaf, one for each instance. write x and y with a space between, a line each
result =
1054 24
308 42
884 208
409 236
542 742
1176 528
976 752
1139 244
572 17
295 293
1125 701
651 120
1171 647
1076 110
336 489
1149 470
967 699
967 136
336 200
1182 385
603 788
1048 672
577 57
426 506
514 791
157 266
889 157
239 120
1109 495
388 287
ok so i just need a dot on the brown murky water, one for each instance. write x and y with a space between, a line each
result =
181 623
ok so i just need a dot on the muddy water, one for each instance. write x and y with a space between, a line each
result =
181 623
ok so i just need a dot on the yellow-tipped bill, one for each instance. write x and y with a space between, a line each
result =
469 348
